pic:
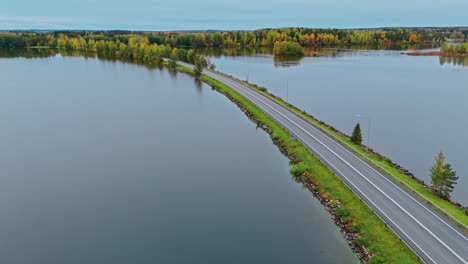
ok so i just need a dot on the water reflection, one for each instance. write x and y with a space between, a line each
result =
281 61
108 58
220 52
27 53
278 61
455 60
198 85
172 72
286 61
310 51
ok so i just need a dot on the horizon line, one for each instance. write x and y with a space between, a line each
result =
224 30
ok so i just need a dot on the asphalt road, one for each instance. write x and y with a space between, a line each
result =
427 232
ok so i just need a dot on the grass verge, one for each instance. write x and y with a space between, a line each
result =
385 165
367 234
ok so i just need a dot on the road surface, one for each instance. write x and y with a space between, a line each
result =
427 232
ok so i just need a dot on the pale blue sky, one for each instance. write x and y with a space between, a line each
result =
237 14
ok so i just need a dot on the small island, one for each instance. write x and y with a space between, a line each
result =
459 49
288 48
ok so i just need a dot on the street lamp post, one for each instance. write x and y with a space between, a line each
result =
368 131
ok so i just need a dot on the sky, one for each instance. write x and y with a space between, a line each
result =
155 15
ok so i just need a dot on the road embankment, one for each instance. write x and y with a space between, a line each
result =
366 233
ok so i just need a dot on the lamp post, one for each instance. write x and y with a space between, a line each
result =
368 130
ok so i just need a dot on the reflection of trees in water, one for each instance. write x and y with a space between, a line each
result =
455 60
310 51
289 61
232 52
27 53
108 58
75 53
172 72
198 85
286 61
45 53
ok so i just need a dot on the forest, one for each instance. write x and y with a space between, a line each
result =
305 37
152 47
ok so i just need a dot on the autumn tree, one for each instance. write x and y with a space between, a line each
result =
200 63
262 37
191 56
442 177
356 138
174 55
61 43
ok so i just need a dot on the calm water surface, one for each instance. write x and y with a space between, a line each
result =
418 105
106 162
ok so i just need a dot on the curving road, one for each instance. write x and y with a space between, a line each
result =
428 233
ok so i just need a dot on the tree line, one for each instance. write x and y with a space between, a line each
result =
136 48
304 37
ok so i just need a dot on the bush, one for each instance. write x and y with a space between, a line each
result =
341 212
361 241
298 169
388 160
354 228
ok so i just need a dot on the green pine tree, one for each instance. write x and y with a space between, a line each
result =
442 177
356 138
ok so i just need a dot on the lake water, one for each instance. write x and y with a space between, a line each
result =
417 105
108 162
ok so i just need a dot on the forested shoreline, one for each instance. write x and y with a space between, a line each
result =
153 46
305 37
